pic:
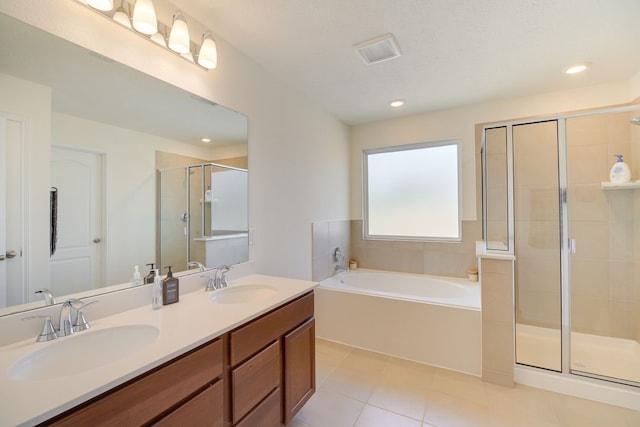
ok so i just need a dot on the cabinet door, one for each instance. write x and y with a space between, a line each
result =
299 368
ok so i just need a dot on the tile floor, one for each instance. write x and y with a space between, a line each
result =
357 388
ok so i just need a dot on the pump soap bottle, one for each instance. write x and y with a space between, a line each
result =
620 171
156 301
170 288
152 274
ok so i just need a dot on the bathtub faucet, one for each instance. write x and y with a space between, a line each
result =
340 268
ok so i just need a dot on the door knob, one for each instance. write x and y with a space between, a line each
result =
97 240
9 254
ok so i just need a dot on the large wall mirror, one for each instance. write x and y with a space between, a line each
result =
82 139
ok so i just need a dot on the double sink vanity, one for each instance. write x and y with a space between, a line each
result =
242 356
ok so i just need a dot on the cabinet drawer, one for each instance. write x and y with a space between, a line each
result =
266 414
143 399
248 339
255 379
203 410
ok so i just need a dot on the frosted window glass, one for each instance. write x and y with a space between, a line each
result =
413 192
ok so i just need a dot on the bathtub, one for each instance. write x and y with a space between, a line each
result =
428 319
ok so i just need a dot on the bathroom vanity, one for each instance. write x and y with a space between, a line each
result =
257 368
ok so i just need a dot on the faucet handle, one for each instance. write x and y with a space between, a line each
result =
223 271
48 332
81 323
211 283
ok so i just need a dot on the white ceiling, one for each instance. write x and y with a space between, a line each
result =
455 52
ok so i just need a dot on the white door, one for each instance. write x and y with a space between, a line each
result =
12 290
76 264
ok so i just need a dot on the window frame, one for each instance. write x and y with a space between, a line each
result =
405 147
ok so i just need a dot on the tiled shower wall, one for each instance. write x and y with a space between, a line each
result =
434 258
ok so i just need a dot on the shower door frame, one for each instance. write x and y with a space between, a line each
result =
566 244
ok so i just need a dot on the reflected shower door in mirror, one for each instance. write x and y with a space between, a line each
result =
50 84
203 215
538 281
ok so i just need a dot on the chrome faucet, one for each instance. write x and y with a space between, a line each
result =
65 325
341 268
220 278
211 283
201 267
69 324
49 299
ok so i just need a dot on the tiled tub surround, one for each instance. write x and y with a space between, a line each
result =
183 326
433 258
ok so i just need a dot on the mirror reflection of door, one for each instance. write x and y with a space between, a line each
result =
77 262
11 227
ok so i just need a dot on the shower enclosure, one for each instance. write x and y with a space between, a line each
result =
575 237
202 216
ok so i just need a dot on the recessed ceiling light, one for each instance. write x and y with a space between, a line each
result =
577 68
205 140
397 103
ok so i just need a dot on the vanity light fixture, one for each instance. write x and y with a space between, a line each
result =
396 103
144 17
205 140
208 55
179 40
140 17
103 5
577 68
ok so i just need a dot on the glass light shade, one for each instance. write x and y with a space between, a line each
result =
144 17
104 5
179 40
208 56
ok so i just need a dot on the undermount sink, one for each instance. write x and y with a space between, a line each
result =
83 351
242 294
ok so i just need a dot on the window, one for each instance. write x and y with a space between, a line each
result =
412 192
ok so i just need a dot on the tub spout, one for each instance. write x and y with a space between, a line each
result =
340 268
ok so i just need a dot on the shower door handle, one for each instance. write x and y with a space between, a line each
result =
572 246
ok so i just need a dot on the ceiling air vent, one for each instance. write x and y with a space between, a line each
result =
379 49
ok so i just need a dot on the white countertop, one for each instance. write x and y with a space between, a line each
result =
183 326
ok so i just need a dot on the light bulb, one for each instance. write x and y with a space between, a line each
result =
208 56
104 5
179 40
144 17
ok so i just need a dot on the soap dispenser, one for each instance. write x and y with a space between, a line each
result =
620 171
156 299
152 274
207 194
170 288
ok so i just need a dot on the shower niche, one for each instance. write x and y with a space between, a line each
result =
202 216
575 239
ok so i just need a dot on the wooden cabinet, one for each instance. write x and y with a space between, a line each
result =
286 333
258 375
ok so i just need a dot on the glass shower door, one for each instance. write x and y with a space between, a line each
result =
604 225
538 279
